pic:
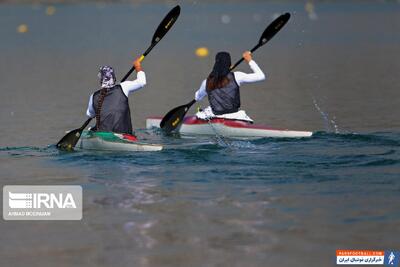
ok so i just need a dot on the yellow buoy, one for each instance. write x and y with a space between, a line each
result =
202 52
50 10
23 28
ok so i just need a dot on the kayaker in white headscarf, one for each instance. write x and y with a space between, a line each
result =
222 88
110 104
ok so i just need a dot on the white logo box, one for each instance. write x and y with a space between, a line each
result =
42 202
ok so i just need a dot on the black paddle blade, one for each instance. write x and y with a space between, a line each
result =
174 117
69 141
166 24
274 28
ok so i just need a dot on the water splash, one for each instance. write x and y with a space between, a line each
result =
330 123
231 144
237 144
243 144
220 140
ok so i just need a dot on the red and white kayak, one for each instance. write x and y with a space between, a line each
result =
228 128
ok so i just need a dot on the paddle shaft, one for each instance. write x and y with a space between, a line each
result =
141 59
85 124
241 60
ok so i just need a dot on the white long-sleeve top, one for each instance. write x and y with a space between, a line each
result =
127 87
240 77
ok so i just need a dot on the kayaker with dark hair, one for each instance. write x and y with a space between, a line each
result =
222 88
110 104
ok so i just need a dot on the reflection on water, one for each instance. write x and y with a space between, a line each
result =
248 203
207 201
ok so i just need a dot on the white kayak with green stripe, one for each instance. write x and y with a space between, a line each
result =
110 141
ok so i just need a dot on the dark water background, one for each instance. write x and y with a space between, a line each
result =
205 201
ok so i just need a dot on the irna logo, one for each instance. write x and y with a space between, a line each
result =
41 200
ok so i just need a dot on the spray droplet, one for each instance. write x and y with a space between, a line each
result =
225 19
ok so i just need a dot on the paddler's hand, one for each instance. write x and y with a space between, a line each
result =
247 56
137 64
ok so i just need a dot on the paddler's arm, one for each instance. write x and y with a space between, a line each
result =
90 111
131 86
201 93
256 76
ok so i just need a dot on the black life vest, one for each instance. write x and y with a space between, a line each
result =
115 115
226 99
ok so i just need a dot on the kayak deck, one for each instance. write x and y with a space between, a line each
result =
229 128
113 142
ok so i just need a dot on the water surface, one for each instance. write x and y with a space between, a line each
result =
207 201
